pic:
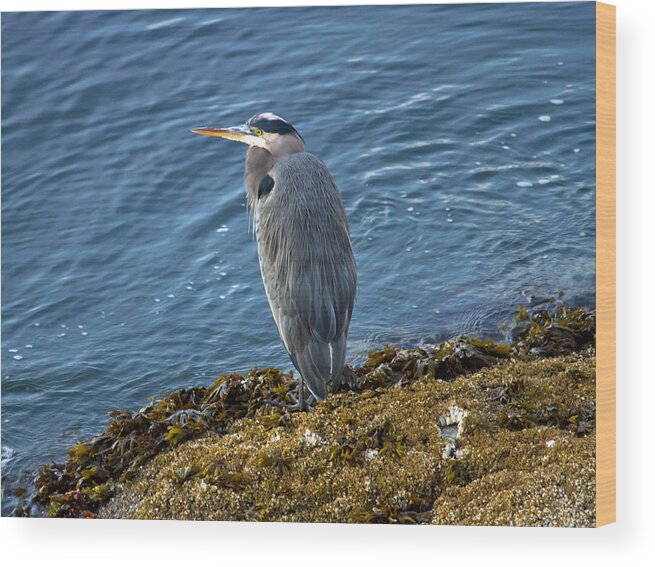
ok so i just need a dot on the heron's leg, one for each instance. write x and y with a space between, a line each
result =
301 392
300 404
306 403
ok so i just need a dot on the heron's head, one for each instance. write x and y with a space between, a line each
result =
266 130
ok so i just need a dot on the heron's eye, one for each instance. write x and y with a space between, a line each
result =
259 132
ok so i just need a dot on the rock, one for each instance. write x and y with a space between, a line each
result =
394 466
468 431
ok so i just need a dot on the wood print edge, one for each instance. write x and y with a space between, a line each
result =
606 263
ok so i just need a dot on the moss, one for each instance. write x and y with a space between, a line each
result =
71 504
99 493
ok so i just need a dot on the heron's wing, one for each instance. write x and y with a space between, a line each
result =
308 267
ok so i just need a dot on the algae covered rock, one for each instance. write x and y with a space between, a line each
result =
468 431
86 479
555 331
390 458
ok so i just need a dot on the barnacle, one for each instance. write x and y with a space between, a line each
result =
451 424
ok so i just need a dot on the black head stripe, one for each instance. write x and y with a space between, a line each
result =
274 126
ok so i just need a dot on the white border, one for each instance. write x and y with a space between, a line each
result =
629 542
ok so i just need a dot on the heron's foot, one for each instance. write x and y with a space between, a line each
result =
295 405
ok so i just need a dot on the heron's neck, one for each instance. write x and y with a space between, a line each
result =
258 163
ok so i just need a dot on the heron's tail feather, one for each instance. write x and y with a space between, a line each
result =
320 363
313 363
338 347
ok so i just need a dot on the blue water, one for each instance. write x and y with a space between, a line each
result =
462 138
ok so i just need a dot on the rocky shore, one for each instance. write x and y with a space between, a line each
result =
469 432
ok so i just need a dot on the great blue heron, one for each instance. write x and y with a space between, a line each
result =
303 241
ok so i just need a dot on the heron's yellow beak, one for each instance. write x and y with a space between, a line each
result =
237 133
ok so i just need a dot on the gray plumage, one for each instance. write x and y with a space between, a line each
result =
305 254
308 267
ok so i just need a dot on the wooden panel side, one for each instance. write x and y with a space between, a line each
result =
606 263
